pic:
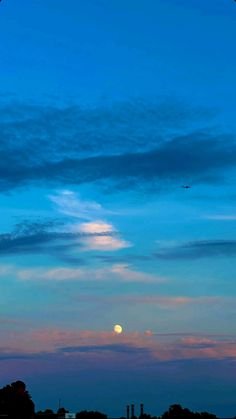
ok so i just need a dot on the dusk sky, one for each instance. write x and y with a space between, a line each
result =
108 108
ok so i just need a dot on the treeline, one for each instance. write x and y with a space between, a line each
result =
84 414
175 411
16 402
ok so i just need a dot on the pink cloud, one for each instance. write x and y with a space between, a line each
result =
91 344
172 301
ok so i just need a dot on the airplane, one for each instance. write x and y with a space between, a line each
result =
186 186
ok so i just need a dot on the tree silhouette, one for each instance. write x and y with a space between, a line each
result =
85 414
5 396
147 416
176 411
16 402
21 405
46 414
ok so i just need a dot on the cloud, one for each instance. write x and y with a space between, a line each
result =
124 272
113 273
198 249
96 234
54 274
74 146
64 241
69 203
169 301
37 237
197 157
124 258
162 302
105 243
115 348
198 342
221 217
100 235
96 227
146 346
112 129
10 355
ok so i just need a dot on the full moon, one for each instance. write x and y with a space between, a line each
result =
117 329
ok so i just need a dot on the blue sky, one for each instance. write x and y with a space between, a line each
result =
107 109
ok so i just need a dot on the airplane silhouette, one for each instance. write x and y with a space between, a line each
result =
186 186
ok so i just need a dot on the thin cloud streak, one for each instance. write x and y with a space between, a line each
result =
70 204
115 272
221 217
198 249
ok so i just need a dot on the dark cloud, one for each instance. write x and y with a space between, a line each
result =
109 347
12 356
124 258
198 158
43 132
199 249
127 143
115 348
200 345
43 237
32 238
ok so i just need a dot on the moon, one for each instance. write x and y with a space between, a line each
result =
117 329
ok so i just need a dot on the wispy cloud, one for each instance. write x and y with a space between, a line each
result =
115 348
37 237
69 203
169 301
198 249
115 272
54 274
96 233
220 217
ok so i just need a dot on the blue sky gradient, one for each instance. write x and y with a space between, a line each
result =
107 108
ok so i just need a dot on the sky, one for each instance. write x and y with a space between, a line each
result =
107 109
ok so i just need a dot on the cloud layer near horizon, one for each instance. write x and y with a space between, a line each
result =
146 346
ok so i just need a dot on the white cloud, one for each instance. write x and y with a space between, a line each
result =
104 243
94 227
124 272
70 204
98 234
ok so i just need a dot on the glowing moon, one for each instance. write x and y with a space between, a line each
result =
117 329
